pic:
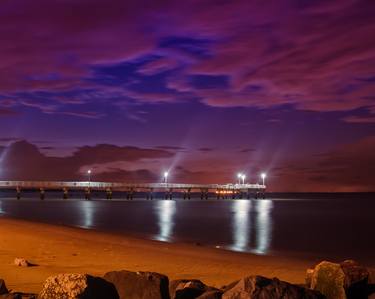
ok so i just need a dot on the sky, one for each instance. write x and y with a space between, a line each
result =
203 89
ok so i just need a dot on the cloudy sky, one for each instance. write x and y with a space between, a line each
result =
201 88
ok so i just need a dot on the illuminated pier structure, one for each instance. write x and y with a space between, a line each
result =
185 191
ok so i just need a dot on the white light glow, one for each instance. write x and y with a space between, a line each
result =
263 225
87 213
241 225
165 210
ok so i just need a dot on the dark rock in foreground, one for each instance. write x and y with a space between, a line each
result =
3 288
77 286
190 289
258 287
139 285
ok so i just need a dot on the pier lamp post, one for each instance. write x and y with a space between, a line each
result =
263 175
89 175
243 177
166 177
239 176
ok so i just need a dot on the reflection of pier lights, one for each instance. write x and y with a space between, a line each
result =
87 213
165 211
241 224
263 225
1 209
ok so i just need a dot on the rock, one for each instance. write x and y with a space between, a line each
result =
212 294
21 262
328 278
74 286
187 288
3 288
309 275
356 280
345 280
258 287
139 285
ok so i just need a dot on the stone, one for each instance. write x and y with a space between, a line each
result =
3 288
187 288
356 280
259 287
74 286
139 285
309 275
328 278
345 280
211 294
21 262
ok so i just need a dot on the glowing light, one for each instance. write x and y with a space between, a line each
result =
263 175
263 225
166 174
165 210
87 213
241 225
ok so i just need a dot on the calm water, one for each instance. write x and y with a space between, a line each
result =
332 226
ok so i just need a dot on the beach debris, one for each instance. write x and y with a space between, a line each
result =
188 289
130 285
21 262
340 281
259 287
74 286
3 288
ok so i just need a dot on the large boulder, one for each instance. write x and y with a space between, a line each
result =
339 281
77 286
211 294
3 288
188 289
139 285
258 287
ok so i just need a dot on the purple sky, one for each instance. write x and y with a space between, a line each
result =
204 89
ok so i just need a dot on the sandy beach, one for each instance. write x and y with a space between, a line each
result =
58 249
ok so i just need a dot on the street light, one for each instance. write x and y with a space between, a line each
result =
166 177
263 175
89 175
243 179
239 176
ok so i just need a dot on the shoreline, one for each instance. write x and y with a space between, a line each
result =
62 249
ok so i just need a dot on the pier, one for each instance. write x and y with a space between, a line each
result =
220 191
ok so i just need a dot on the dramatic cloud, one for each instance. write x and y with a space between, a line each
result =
317 56
23 161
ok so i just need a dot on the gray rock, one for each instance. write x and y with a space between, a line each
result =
3 288
187 288
139 285
258 287
211 294
77 286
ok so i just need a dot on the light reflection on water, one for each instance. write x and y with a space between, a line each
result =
87 211
241 224
252 219
165 211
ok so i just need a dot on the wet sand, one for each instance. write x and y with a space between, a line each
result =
58 249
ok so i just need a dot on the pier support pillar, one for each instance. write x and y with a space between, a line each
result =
130 194
150 194
42 193
87 194
233 194
18 193
108 193
65 193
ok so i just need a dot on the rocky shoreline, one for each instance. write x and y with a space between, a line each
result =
346 280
